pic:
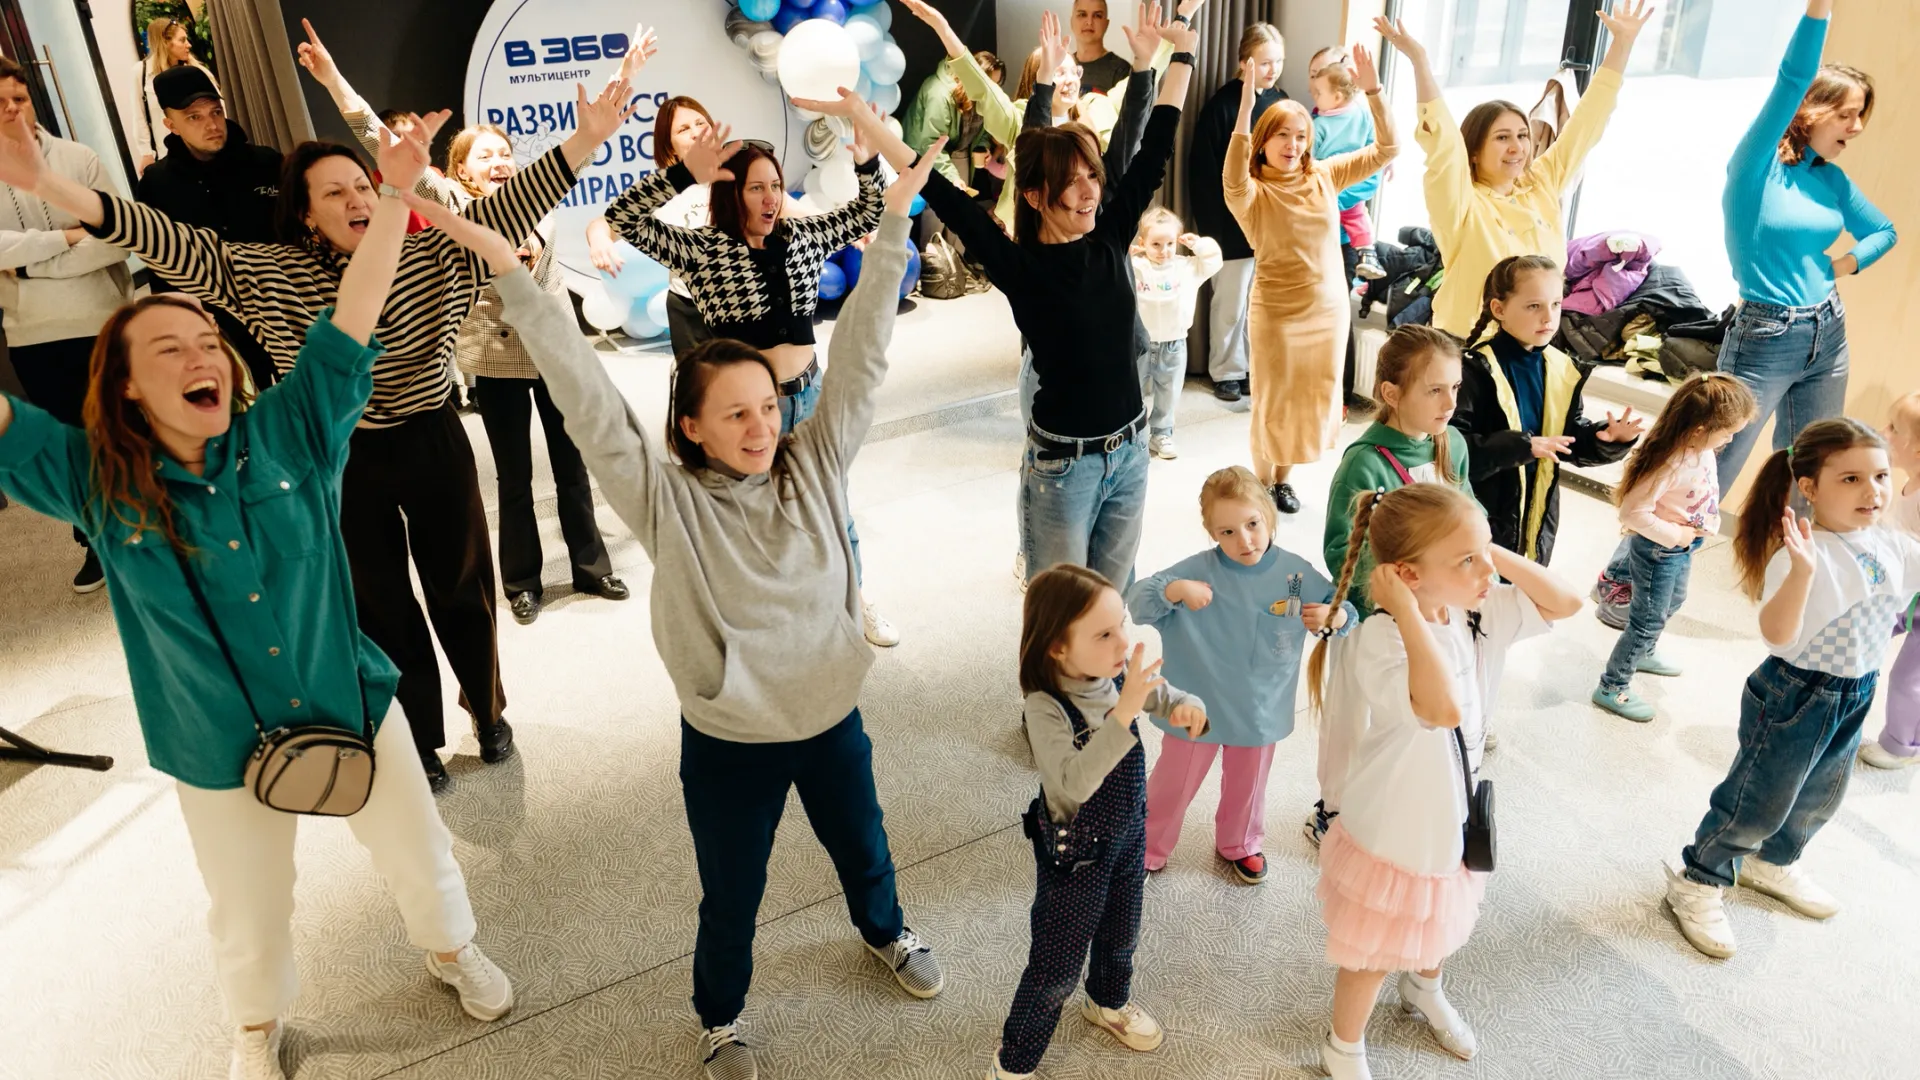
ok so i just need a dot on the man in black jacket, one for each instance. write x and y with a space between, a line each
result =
212 177
1227 312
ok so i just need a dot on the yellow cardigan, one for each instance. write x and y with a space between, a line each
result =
1476 228
1002 116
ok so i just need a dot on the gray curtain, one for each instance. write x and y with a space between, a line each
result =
258 72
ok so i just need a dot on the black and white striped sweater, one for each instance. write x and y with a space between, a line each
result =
278 290
737 288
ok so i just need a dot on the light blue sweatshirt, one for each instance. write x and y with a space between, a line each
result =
1781 219
1343 132
1236 653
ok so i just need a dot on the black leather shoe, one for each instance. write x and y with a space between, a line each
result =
526 607
1230 389
607 588
437 778
496 740
1285 499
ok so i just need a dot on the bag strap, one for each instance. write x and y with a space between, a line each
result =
220 639
1466 771
1405 476
1081 730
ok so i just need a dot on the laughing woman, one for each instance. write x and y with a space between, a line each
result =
244 497
410 490
756 603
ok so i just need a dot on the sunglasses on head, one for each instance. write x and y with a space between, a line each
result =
761 145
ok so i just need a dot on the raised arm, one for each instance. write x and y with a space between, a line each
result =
1429 678
1136 102
610 438
843 225
1555 598
1348 169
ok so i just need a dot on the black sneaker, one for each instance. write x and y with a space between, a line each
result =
91 577
496 740
1317 823
1285 499
437 778
526 607
1230 389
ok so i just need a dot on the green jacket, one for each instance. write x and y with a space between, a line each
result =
931 115
1364 468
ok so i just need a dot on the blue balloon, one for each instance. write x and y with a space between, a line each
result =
641 328
878 11
759 10
912 276
916 206
849 260
638 276
833 282
657 307
788 17
833 11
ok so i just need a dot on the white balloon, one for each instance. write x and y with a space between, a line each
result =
766 43
808 114
811 182
866 35
887 97
879 12
838 184
817 59
888 66
604 311
807 205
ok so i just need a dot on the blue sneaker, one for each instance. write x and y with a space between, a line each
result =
1625 704
1655 664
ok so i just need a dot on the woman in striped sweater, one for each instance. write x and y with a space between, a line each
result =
410 487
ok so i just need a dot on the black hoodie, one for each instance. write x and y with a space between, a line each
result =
233 194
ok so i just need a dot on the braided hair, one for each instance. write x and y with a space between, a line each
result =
1502 283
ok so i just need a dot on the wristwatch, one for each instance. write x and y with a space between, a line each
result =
388 191
1182 58
1182 19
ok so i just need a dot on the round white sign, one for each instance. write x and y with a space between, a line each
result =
529 54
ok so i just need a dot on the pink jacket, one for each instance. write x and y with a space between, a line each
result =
1678 498
1603 269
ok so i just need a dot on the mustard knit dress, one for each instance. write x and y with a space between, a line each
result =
1298 318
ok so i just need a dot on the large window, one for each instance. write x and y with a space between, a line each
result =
1698 76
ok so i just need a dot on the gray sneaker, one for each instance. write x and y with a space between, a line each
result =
911 960
724 1056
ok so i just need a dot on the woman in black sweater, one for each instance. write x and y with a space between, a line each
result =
1068 280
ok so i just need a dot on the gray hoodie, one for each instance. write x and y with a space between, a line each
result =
755 611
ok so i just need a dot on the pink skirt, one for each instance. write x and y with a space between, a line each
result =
1380 917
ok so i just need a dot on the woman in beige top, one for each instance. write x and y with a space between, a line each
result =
1298 319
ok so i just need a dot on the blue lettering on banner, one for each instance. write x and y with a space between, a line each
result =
575 50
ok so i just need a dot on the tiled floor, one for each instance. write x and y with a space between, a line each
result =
581 869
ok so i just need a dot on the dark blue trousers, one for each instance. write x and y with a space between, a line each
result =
735 793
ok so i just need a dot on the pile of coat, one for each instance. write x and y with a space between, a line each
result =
1623 307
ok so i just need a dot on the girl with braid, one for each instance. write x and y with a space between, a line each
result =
1395 893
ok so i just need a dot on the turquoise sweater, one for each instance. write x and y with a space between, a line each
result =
1343 132
1781 219
1236 653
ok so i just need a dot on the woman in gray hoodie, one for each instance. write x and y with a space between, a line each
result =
755 609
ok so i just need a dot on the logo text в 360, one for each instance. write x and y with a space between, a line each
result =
580 49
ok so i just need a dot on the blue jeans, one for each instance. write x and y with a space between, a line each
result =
795 409
1166 372
1088 510
735 793
1795 362
1659 576
1798 732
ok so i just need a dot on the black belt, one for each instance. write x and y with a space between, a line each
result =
800 383
1054 448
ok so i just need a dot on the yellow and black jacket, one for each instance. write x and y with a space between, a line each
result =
1521 493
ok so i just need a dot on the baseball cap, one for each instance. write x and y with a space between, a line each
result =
179 87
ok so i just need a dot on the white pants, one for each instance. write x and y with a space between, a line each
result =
245 852
1227 320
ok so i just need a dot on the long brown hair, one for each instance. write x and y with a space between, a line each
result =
728 205
1502 282
159 56
1825 96
1708 402
1477 127
1056 598
1397 527
693 373
462 145
1404 358
663 155
1044 161
123 476
1269 124
1759 534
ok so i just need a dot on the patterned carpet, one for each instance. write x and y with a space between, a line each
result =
581 869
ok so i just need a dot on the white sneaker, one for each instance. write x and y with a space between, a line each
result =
879 631
1130 1023
1702 917
484 990
1000 1073
1020 569
1341 1065
725 1057
1872 753
1432 1007
256 1055
1790 885
1491 742
1162 446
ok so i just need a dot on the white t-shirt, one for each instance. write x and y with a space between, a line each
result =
1405 799
1862 580
1904 514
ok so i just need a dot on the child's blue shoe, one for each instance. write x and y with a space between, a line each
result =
1655 664
1625 704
